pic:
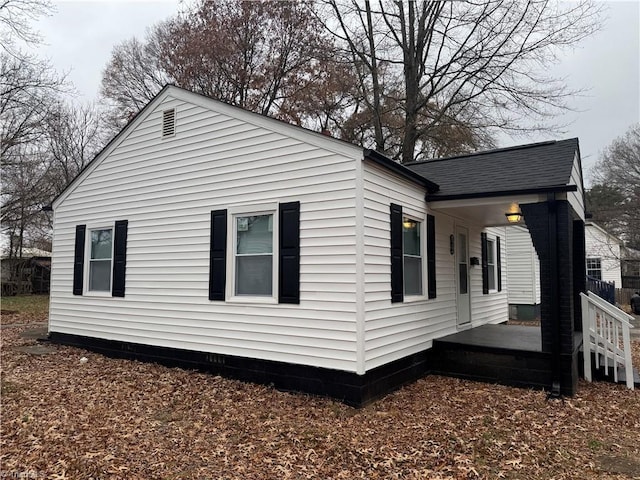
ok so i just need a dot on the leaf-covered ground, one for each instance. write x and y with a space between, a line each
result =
110 418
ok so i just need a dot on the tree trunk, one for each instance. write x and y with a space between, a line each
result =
411 82
377 114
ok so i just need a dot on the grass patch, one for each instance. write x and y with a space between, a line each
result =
31 305
7 387
595 445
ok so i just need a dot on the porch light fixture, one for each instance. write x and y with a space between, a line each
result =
514 217
408 224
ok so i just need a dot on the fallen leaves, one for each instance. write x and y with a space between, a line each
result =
110 418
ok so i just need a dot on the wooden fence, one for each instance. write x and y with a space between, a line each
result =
623 295
631 282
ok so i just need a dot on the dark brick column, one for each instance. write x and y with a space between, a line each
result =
579 272
551 225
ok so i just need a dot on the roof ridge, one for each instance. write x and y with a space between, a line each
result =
494 150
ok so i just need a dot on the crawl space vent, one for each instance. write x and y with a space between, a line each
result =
169 122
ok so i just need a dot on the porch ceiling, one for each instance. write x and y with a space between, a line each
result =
489 211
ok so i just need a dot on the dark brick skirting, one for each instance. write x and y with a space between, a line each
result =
514 368
525 369
350 388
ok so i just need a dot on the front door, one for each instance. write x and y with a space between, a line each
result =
462 275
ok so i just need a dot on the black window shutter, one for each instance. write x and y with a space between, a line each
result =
485 263
499 263
431 255
218 255
397 274
289 257
78 260
119 258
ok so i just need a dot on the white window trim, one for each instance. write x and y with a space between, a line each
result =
494 248
586 264
423 232
257 209
87 262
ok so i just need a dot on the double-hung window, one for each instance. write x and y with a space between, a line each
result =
491 264
101 253
253 254
412 256
594 268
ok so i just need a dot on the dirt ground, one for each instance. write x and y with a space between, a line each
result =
70 413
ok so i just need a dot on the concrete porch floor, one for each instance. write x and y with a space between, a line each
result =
504 337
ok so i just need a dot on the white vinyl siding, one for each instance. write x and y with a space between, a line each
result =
576 199
600 244
523 270
395 330
167 187
492 308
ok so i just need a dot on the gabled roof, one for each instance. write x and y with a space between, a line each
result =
296 131
534 168
604 232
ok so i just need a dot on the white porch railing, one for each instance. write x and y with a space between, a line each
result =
605 332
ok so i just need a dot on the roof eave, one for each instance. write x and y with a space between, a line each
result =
401 170
502 193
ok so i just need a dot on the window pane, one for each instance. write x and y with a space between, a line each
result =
254 275
462 247
594 268
255 234
101 243
492 277
100 275
411 237
412 275
462 275
490 251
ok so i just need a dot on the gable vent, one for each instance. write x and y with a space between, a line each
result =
169 123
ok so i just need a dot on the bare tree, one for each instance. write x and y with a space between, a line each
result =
269 57
15 23
24 189
74 135
614 200
459 69
28 91
134 75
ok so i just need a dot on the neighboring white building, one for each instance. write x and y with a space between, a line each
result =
523 274
221 238
523 271
603 254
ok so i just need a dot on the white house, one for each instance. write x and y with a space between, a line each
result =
603 254
207 236
602 251
523 274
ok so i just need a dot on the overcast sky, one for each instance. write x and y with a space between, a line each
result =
80 35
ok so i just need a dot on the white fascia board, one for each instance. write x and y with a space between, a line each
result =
604 232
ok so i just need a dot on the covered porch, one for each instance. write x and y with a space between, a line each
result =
505 354
538 186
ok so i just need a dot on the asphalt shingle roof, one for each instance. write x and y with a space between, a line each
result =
537 166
